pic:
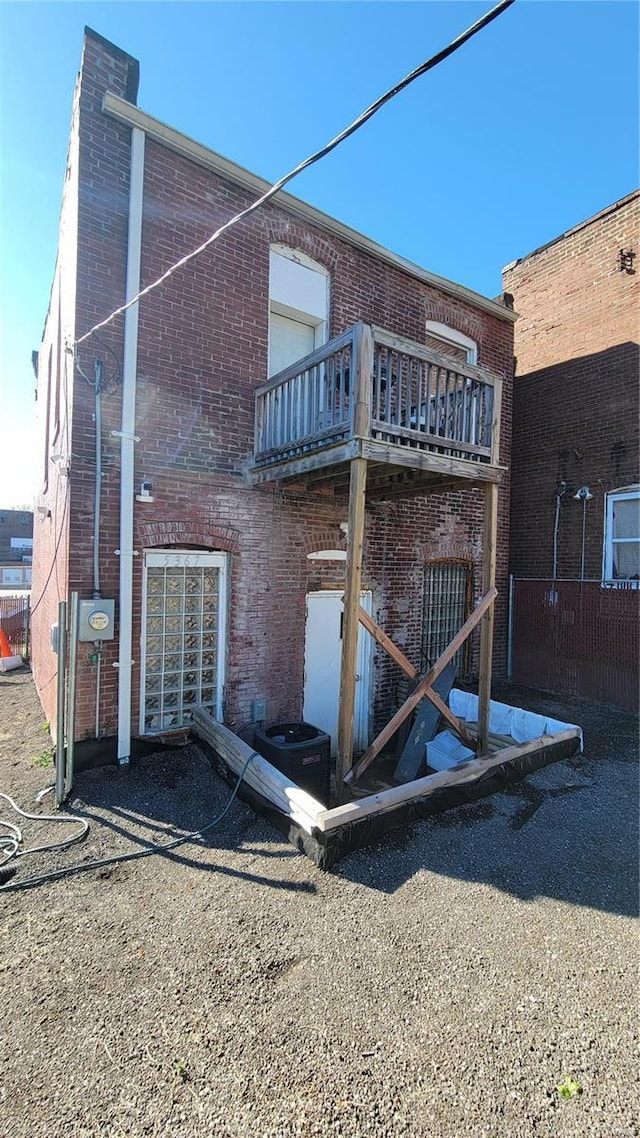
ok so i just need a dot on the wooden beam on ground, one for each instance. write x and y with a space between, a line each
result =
260 775
486 630
420 691
409 670
423 788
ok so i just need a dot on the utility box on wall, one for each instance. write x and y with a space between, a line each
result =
96 619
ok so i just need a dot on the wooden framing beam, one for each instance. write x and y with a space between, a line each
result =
313 819
260 775
414 459
451 719
409 670
489 553
423 788
386 642
355 545
353 579
393 492
420 691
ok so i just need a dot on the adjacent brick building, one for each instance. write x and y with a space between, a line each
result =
204 342
16 542
575 428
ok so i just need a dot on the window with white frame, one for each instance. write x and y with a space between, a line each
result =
450 342
298 306
622 535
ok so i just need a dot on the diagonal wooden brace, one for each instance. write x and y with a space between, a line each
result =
386 642
409 670
423 687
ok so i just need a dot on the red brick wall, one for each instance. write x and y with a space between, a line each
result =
576 407
202 352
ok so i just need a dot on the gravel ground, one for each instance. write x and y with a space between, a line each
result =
440 984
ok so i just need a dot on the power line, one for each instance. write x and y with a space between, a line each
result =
282 182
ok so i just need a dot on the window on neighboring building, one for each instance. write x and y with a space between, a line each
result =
622 535
450 342
298 307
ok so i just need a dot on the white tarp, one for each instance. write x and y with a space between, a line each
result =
521 725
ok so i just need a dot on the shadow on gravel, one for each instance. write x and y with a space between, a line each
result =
165 795
568 832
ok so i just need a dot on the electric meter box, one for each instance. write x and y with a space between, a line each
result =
96 619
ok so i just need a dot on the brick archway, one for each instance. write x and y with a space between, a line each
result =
205 535
324 539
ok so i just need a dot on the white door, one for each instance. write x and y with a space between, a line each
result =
322 660
183 637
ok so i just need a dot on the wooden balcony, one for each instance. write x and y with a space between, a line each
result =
423 421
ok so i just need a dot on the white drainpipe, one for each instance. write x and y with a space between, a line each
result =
128 439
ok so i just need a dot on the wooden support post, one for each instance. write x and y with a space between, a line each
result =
486 628
420 691
355 542
362 365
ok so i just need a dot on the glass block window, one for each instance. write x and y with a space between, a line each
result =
183 633
447 604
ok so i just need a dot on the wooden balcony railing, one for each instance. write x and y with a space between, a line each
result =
370 384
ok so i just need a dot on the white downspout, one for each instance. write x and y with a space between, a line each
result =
127 440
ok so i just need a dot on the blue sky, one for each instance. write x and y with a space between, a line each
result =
527 130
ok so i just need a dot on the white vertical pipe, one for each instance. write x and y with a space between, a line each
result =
71 693
130 365
61 701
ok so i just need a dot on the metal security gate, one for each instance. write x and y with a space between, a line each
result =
447 604
183 638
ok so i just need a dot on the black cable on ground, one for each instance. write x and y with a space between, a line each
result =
117 859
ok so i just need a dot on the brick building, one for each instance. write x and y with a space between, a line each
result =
222 498
575 429
16 546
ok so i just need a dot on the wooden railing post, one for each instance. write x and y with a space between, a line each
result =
362 363
495 422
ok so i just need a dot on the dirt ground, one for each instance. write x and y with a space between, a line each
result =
441 984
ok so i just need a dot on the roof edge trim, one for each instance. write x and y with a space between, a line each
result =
132 116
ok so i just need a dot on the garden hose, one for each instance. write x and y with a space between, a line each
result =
10 842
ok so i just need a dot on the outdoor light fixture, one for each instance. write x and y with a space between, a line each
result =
625 261
61 462
584 494
145 493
